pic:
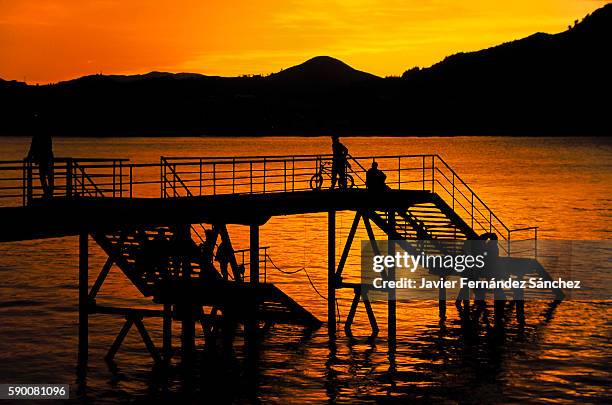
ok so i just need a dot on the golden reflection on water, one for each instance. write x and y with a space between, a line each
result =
562 185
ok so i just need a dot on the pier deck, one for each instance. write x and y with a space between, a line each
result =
160 224
67 217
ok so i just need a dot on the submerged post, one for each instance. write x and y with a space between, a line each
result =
442 299
167 333
83 303
251 325
186 309
331 273
254 253
391 306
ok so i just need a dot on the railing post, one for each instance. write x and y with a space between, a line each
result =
490 221
453 191
132 180
251 175
535 245
233 174
24 188
264 175
120 178
200 176
114 174
423 176
214 178
174 193
69 177
472 210
399 172
265 263
30 182
433 166
509 236
162 177
293 173
285 175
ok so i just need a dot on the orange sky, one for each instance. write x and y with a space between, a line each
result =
45 41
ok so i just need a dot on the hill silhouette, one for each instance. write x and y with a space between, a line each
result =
540 84
322 69
545 84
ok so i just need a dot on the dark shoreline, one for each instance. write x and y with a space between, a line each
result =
319 135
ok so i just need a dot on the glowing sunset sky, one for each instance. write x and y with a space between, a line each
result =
50 40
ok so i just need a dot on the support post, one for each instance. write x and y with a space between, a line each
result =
29 183
147 339
110 355
347 245
391 306
185 309
254 254
83 302
351 314
101 277
442 300
519 302
370 312
187 333
331 273
167 333
251 325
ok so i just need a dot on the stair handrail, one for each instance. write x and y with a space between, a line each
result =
164 179
472 191
360 166
508 231
74 166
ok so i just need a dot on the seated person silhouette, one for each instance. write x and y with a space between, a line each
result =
375 179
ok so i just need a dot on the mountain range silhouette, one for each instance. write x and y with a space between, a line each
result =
544 84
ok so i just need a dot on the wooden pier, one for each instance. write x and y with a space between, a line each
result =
159 224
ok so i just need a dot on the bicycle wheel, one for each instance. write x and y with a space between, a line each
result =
350 182
316 182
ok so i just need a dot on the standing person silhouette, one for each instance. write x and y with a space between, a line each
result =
339 163
41 153
223 256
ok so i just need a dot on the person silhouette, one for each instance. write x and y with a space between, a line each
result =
375 178
339 163
41 153
205 259
223 256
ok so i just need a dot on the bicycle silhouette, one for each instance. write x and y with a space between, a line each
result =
325 169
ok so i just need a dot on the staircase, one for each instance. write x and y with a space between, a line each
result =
436 223
170 272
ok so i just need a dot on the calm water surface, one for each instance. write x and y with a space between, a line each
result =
563 185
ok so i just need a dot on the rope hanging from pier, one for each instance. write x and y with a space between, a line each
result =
297 271
309 280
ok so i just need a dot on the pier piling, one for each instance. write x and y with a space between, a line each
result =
392 307
331 273
83 302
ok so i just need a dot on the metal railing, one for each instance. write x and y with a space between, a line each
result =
175 177
243 258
